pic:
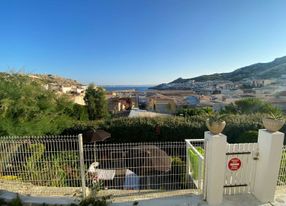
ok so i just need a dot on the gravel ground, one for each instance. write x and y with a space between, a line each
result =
29 189
32 190
126 196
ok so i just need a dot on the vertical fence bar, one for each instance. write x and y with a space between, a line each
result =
205 171
187 160
82 170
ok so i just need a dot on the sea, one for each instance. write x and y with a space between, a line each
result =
129 87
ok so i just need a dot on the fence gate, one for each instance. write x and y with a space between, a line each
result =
240 168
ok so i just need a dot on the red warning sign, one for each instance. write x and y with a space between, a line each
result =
234 164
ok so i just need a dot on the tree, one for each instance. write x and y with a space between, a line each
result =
96 102
26 108
251 105
80 112
187 112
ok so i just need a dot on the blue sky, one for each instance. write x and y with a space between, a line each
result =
139 41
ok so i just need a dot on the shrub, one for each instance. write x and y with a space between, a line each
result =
80 112
178 172
81 126
187 112
95 201
50 170
250 106
14 202
152 129
26 108
2 202
176 128
172 128
247 137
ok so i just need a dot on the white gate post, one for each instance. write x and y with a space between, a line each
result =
267 170
215 167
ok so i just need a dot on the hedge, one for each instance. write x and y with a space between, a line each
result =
178 128
239 128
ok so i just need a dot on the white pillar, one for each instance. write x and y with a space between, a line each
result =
215 167
270 152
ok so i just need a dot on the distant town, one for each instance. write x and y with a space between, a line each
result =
215 94
265 81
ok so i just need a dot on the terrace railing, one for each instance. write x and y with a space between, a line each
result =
59 165
45 165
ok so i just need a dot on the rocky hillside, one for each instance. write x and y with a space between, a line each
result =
40 78
268 70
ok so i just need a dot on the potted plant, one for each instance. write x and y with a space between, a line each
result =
274 122
215 123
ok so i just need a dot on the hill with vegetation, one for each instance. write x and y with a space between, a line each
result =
39 78
28 108
268 70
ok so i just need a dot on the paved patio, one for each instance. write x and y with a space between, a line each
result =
231 200
178 200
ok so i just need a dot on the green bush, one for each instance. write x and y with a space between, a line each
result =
2 202
176 128
250 106
247 137
239 128
14 202
27 108
238 124
80 112
81 126
187 112
178 173
95 201
152 129
50 170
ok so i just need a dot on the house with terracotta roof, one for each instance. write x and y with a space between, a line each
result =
162 104
117 104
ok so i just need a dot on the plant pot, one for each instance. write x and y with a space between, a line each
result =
273 125
215 127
